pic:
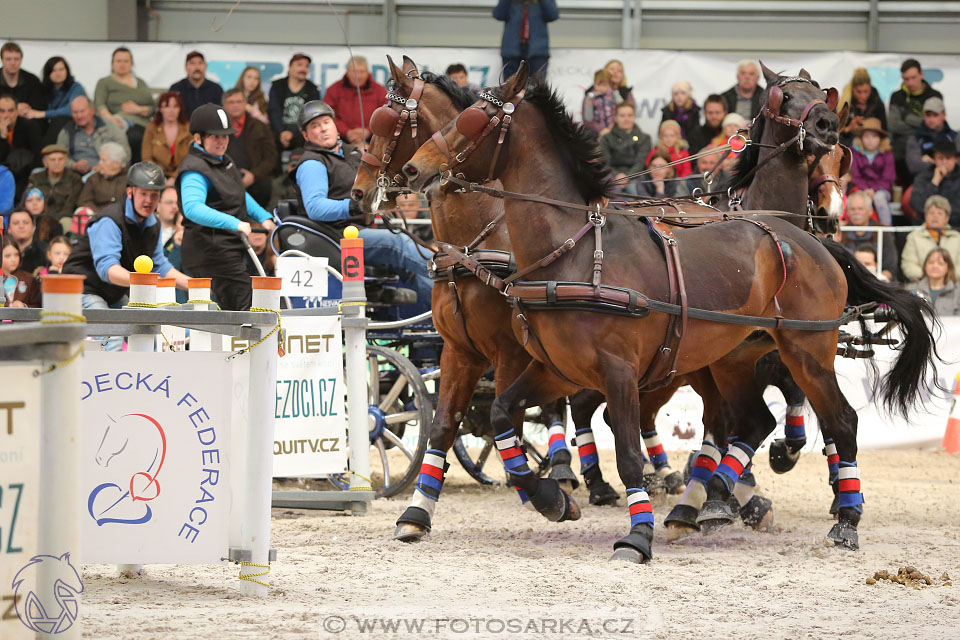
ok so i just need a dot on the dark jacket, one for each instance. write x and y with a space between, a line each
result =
645 188
688 119
539 13
730 95
27 288
24 154
905 115
28 90
192 97
279 92
625 151
949 188
98 192
921 144
874 109
60 199
225 193
890 259
135 241
259 149
701 135
341 172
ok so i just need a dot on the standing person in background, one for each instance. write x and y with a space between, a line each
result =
22 85
166 139
872 168
525 35
600 105
864 103
216 207
251 147
682 108
125 99
287 97
250 84
714 111
59 89
906 113
744 97
342 98
196 89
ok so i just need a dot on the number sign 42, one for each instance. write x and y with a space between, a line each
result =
303 276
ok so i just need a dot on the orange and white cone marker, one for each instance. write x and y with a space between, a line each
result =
951 437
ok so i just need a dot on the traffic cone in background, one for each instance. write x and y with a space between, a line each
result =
951 437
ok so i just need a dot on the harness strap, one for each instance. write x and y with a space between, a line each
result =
783 262
486 231
568 244
459 314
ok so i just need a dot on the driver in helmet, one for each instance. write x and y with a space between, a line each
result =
115 237
215 208
324 178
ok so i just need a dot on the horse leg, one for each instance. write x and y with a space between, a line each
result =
554 418
784 452
461 372
650 404
535 386
583 406
810 360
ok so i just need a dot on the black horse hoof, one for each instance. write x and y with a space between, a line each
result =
783 456
674 482
758 513
835 506
844 534
681 522
412 525
554 503
635 546
602 494
654 484
714 515
563 474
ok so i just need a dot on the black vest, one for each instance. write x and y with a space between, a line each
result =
225 192
341 172
134 242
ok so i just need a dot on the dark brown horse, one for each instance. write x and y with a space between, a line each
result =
737 267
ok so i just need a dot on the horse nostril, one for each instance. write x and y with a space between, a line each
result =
410 170
823 124
357 194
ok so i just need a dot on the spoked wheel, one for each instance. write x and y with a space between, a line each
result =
399 413
478 466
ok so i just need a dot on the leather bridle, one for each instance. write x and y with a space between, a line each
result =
775 103
388 121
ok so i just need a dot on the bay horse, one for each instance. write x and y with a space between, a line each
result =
764 272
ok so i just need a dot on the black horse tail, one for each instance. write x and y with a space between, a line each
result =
906 382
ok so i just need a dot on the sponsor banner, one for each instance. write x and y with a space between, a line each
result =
19 494
155 457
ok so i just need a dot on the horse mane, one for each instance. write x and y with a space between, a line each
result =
576 145
460 97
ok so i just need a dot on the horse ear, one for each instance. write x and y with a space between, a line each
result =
517 81
770 76
844 115
804 74
410 68
403 82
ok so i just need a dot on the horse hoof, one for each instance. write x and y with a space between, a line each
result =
555 504
654 484
677 531
408 532
602 494
714 515
573 509
758 513
783 457
627 554
635 546
683 516
563 474
674 482
844 534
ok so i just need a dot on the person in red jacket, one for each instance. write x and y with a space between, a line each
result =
342 97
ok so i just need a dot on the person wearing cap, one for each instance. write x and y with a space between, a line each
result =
196 89
324 178
942 178
353 114
905 113
872 167
933 129
216 207
60 187
287 97
115 237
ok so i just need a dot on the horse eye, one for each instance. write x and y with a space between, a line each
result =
786 97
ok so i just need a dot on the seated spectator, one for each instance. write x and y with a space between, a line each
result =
287 97
22 85
22 229
744 97
714 111
19 141
59 90
859 210
47 227
8 190
412 207
342 98
719 182
942 178
939 282
251 85
732 123
933 129
864 103
19 287
905 113
600 104
58 250
867 256
682 108
872 170
60 187
674 146
109 181
626 147
458 73
196 89
166 140
125 99
618 82
266 258
936 233
251 147
168 210
85 135
659 182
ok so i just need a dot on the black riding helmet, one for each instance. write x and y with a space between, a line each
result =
210 119
146 175
313 110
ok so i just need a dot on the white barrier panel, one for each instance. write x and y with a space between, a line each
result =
19 492
155 457
303 277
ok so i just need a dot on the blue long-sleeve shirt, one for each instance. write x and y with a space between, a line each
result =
59 104
193 193
314 185
8 188
106 243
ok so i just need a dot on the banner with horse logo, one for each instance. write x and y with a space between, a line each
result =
155 457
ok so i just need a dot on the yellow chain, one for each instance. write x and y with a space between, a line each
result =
264 338
69 318
252 577
204 302
152 305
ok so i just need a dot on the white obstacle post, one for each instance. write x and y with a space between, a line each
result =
199 289
61 502
143 294
355 345
258 467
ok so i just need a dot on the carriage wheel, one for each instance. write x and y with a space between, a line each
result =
475 466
